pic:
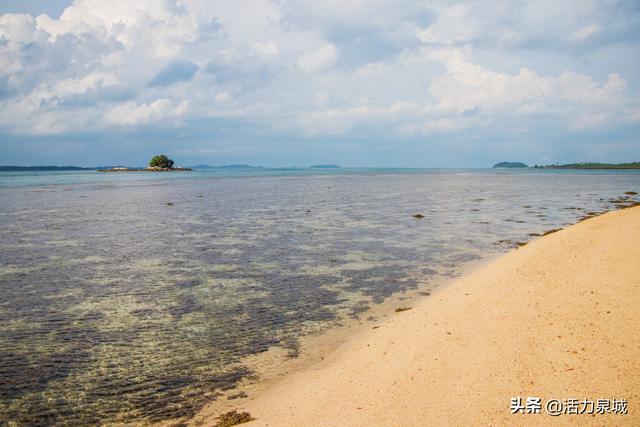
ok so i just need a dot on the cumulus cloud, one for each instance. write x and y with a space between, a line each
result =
132 114
300 68
467 85
318 59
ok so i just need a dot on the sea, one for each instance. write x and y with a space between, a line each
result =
140 298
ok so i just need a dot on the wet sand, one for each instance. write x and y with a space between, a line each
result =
558 318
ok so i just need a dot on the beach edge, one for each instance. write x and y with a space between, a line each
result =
555 319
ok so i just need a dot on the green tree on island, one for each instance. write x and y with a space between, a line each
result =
161 161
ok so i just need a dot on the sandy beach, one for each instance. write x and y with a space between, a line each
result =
556 319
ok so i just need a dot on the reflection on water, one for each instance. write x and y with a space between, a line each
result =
119 307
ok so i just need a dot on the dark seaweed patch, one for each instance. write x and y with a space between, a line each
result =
551 231
233 418
361 307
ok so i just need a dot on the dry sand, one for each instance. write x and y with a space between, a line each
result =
558 318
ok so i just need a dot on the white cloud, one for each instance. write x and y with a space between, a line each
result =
454 25
301 67
223 96
265 49
467 85
132 114
585 33
318 59
16 28
83 84
159 25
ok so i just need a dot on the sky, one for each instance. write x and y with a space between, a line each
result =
399 83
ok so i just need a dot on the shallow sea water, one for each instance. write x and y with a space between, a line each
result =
118 307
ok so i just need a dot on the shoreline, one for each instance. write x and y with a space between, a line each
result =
274 365
491 341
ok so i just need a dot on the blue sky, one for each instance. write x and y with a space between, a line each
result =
353 82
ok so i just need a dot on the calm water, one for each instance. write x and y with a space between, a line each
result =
119 307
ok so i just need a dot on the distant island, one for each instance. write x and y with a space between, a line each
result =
326 167
510 165
591 165
159 163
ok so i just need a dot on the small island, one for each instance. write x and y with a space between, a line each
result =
159 163
510 165
326 167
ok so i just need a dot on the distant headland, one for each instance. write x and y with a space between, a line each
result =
326 167
589 165
633 165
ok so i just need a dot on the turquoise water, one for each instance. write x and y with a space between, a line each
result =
137 297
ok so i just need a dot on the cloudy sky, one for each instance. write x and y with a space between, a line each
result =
298 82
